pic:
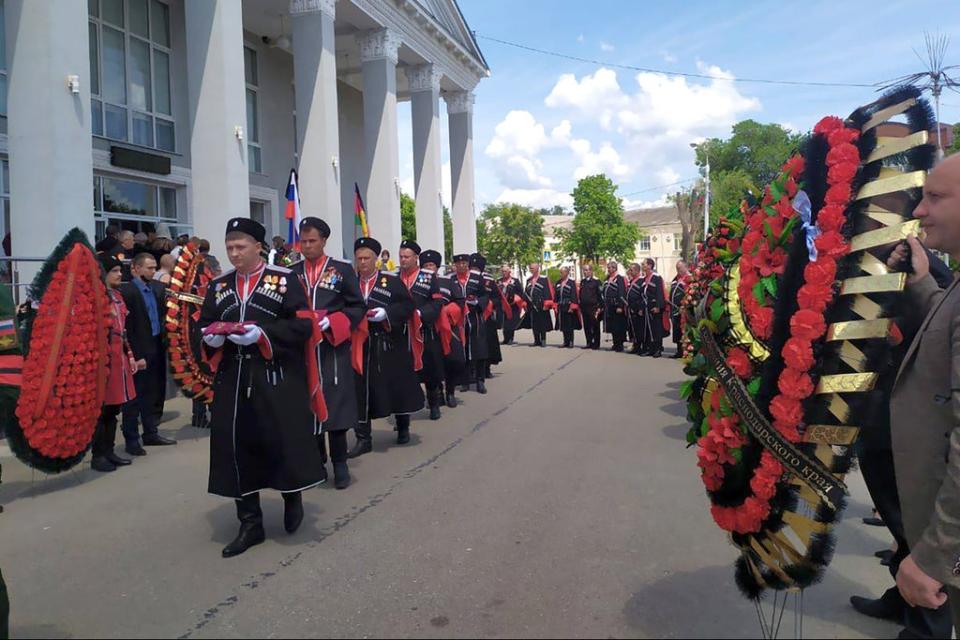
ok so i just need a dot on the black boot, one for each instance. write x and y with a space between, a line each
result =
341 475
102 465
251 526
890 606
433 397
481 386
117 460
403 429
363 446
451 397
292 511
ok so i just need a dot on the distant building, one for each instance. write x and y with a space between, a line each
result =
662 237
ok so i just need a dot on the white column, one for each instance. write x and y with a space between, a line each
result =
381 190
460 115
318 136
425 114
51 157
218 116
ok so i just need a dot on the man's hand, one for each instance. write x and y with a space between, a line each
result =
141 364
620 311
655 310
214 341
324 323
919 262
133 365
916 587
379 315
251 336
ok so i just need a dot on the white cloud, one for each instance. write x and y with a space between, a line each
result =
604 46
529 169
580 38
598 95
667 176
536 198
518 133
606 160
662 201
668 57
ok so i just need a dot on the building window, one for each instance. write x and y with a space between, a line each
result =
645 243
253 112
135 205
130 72
547 255
677 242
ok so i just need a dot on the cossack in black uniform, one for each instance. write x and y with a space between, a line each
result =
590 309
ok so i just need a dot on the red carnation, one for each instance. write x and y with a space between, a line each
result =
814 297
820 273
838 194
843 172
739 361
771 262
831 218
795 384
828 124
843 153
807 324
788 410
832 244
785 208
791 186
798 354
761 322
794 166
841 136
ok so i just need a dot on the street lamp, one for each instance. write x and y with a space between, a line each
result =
706 195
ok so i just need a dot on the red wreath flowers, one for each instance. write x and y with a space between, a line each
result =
64 374
764 253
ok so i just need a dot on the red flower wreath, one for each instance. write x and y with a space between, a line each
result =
64 373
807 326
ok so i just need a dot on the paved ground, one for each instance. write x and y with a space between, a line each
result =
561 504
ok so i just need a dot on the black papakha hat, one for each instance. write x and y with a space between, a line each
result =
367 243
250 227
315 223
431 256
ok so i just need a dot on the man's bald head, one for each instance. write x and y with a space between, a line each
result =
939 211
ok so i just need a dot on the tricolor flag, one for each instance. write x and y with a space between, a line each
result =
8 334
360 219
292 213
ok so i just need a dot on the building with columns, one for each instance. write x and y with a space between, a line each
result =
186 113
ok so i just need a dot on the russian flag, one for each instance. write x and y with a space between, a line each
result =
292 213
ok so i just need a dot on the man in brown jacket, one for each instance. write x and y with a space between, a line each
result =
925 406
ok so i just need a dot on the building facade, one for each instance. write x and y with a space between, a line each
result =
661 238
185 113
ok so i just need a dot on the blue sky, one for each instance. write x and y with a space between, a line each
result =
541 122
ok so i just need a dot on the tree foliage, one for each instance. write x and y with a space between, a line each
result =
408 225
598 229
510 233
746 161
956 140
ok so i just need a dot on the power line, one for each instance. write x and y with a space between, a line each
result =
629 67
662 186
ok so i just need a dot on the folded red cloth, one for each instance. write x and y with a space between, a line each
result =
227 328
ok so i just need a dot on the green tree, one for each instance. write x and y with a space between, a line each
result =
408 217
598 229
746 161
510 233
447 235
956 140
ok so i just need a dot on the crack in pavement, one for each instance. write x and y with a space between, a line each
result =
344 520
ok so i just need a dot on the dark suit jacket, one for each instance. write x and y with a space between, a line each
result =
139 333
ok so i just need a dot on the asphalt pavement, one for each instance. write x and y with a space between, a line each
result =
563 503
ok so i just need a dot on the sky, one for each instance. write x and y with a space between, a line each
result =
542 122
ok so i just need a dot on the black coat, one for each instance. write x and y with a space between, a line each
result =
614 305
454 363
425 291
537 292
473 291
512 288
568 303
494 320
337 292
261 433
139 332
389 384
648 323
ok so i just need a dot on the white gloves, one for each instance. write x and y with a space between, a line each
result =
324 324
214 341
379 315
250 337
473 302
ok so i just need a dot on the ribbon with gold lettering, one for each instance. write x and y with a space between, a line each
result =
810 471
